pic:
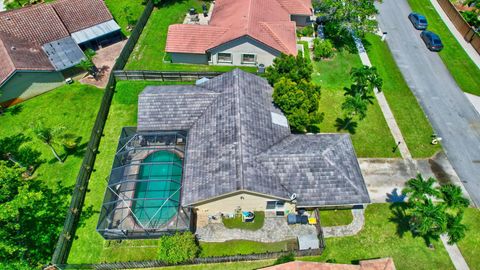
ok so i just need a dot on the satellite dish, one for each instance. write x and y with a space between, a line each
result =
293 196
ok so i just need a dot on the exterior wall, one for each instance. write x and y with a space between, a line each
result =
244 45
189 58
300 20
102 41
27 84
243 200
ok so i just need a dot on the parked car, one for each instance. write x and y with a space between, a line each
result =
432 41
419 21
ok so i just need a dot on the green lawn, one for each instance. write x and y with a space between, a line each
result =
89 246
71 106
243 247
306 50
336 217
237 223
470 246
380 238
372 137
409 115
462 68
121 8
150 49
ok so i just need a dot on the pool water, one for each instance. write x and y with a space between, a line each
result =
157 198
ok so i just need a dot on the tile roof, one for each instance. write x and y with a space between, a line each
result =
264 20
236 142
297 7
80 14
27 29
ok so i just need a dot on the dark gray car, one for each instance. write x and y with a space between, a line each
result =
419 21
432 41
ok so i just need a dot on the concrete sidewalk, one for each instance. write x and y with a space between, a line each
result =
465 45
454 254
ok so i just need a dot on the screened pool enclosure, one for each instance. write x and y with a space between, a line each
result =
142 198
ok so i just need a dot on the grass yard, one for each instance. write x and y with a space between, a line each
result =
122 9
71 106
470 245
409 115
237 223
236 247
150 49
89 245
336 217
462 68
380 238
372 137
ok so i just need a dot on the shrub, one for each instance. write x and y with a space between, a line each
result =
178 248
306 31
284 259
322 49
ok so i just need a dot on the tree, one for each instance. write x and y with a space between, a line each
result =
429 219
49 136
453 198
178 248
355 106
322 49
31 217
87 63
354 16
299 102
294 68
365 79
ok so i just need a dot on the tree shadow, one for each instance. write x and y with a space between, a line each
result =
346 124
14 110
395 197
400 217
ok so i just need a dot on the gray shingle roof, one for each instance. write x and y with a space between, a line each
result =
233 144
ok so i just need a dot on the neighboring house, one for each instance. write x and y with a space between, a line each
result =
375 264
219 147
240 33
39 43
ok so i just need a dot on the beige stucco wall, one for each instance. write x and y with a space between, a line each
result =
189 58
244 45
244 200
27 84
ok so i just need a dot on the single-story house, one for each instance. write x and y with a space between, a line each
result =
221 147
40 42
240 33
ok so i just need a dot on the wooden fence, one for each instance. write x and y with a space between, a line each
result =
462 26
223 259
164 76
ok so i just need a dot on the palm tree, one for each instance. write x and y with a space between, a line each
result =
453 197
347 124
355 105
428 219
368 78
455 229
48 136
418 189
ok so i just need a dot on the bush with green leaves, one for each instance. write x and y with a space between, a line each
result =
306 31
322 49
290 257
178 248
295 68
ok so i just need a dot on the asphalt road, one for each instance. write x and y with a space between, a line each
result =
452 116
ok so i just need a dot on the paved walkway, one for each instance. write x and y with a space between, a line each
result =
347 230
455 254
466 46
387 112
475 100
273 230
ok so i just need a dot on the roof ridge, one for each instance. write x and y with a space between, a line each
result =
279 41
238 118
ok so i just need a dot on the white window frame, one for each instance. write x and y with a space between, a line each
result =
224 61
249 62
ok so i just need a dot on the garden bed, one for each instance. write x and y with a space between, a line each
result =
339 217
237 223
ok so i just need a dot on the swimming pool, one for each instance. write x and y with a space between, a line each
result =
157 198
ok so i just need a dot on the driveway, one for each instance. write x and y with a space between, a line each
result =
452 116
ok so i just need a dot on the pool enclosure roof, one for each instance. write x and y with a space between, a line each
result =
239 141
143 194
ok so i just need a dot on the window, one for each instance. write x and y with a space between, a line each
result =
209 57
277 207
224 57
248 58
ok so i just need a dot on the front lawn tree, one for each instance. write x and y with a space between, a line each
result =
349 16
432 211
49 136
87 63
295 68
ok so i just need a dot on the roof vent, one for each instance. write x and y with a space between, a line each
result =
8 18
13 48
